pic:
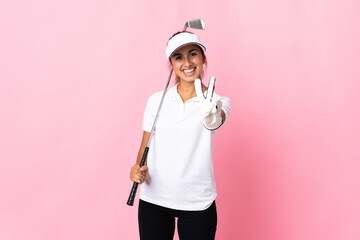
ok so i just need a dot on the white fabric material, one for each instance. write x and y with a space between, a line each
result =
180 163
181 40
210 110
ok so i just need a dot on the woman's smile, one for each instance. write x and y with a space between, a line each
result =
189 72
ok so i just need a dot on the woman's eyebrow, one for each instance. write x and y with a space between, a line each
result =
179 54
193 50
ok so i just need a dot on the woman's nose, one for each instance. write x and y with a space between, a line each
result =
187 62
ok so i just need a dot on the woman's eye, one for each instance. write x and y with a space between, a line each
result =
178 58
193 54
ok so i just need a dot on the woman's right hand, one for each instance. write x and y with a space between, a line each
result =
139 175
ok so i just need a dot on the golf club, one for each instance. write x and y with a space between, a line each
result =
196 24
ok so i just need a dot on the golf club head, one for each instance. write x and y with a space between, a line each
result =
195 23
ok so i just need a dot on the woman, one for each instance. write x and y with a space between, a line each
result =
178 175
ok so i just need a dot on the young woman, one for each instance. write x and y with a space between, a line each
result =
178 179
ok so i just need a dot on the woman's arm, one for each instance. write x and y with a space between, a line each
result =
138 174
223 117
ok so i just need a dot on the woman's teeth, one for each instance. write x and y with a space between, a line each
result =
188 71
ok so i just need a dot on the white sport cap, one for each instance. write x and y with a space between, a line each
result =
180 40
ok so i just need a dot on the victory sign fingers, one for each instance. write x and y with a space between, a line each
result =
210 91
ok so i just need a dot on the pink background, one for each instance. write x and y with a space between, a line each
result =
74 80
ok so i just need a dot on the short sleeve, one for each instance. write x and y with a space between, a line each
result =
150 112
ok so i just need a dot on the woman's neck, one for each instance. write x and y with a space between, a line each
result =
187 91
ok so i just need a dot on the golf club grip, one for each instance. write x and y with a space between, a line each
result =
132 195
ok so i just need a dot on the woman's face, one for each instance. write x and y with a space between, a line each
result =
187 62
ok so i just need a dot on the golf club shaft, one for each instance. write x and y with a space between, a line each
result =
132 195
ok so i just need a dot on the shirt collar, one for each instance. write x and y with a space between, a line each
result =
173 94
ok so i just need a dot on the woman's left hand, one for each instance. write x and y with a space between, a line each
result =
211 111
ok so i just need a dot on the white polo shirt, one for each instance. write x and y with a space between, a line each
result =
180 162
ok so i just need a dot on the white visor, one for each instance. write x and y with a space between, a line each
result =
181 40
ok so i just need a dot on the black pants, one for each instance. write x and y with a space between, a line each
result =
158 223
